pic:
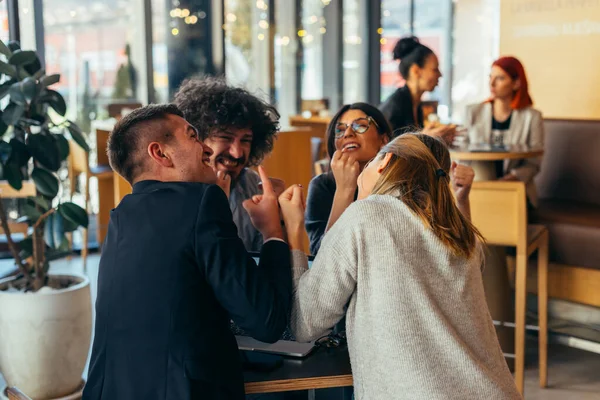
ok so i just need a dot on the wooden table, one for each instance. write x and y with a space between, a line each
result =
495 275
515 152
324 368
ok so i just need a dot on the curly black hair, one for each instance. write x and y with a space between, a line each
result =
210 104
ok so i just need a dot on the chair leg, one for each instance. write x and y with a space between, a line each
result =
520 309
543 309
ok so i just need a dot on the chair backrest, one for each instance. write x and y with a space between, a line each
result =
115 110
322 166
101 145
499 211
7 192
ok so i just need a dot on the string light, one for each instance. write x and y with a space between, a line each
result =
380 31
231 17
323 30
263 24
174 31
285 40
185 13
301 33
383 40
261 36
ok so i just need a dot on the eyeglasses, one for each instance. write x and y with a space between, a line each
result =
359 125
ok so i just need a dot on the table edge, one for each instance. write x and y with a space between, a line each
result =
286 385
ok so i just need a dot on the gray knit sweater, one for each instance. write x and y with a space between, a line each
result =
417 322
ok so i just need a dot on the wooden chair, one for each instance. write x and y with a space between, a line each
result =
7 192
78 164
15 394
499 211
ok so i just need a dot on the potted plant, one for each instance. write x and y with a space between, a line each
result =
45 319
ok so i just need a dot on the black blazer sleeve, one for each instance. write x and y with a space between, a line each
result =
258 299
318 208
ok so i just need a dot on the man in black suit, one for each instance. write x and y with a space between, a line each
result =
174 272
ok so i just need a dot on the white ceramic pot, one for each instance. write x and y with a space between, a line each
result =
45 338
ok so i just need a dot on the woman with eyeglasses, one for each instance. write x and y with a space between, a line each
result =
403 264
355 135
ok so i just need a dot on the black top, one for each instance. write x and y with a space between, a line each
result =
173 273
498 139
318 207
398 109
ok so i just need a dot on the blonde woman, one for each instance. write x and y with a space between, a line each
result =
407 263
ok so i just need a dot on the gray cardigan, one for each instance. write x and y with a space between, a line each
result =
417 322
526 127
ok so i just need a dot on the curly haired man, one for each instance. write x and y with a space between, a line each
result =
240 129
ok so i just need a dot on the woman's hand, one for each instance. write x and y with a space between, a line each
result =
345 170
446 132
462 177
292 206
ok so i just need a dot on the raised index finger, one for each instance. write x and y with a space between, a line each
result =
266 182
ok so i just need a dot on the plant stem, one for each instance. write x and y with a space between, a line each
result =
39 258
11 244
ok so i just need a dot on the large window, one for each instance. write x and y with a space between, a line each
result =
3 22
432 24
285 50
311 34
95 47
395 23
354 50
247 45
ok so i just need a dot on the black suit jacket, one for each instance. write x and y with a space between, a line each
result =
398 109
173 272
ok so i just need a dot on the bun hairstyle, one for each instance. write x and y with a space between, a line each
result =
410 51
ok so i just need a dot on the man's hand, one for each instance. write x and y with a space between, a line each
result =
224 182
264 210
462 177
345 171
292 208
278 186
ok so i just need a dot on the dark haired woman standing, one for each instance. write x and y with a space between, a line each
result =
419 66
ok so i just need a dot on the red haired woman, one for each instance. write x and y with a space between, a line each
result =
508 118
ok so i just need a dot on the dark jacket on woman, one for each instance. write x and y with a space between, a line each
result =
398 109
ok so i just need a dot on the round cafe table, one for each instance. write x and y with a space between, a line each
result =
495 274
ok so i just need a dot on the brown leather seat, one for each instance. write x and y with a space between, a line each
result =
569 190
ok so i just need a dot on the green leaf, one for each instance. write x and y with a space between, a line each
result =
74 213
50 80
32 213
30 88
44 150
34 68
3 126
20 153
77 136
40 201
12 174
38 75
45 182
12 113
58 231
7 69
4 49
63 146
14 46
17 95
5 151
22 57
26 246
5 87
48 231
69 226
56 101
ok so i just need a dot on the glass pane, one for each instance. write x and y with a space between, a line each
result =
94 45
286 46
3 22
181 43
395 23
432 25
354 64
247 45
311 33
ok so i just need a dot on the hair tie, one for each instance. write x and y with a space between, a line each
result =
440 173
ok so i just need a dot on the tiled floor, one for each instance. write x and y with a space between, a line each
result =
573 374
